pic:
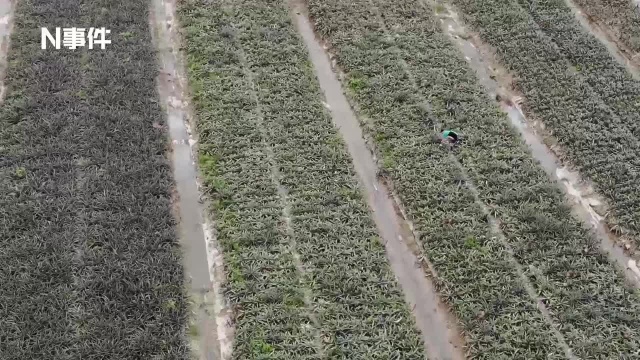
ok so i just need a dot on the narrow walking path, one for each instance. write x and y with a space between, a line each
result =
210 321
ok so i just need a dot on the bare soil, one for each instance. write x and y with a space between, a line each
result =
211 337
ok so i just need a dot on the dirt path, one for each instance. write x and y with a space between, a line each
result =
588 206
203 260
6 24
442 339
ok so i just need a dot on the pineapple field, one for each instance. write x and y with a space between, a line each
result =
320 179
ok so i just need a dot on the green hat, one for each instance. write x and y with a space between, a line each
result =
450 133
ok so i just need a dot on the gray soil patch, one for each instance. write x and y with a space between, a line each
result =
210 332
438 327
588 206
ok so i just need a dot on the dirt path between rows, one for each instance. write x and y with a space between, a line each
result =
440 335
209 329
587 205
7 8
